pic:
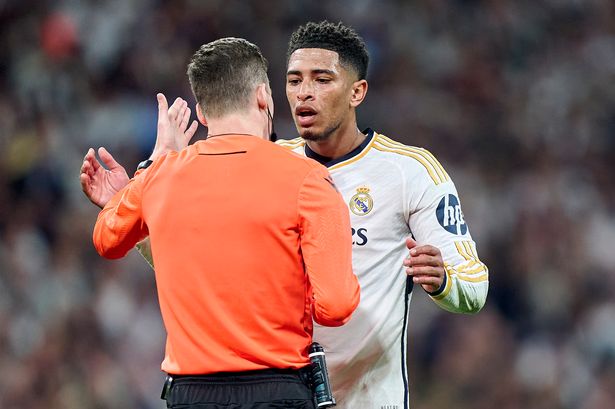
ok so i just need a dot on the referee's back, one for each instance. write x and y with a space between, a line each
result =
249 241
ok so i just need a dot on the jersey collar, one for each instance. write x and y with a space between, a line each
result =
328 162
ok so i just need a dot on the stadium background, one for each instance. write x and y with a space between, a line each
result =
515 97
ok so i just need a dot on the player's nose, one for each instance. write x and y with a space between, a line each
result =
306 91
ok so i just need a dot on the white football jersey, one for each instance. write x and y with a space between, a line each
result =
393 191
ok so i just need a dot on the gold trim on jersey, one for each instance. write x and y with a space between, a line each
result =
474 279
355 158
448 286
291 143
430 158
423 156
473 269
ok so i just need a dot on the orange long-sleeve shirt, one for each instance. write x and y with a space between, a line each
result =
249 241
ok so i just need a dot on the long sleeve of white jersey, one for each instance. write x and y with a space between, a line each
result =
435 218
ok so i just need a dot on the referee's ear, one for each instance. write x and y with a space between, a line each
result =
200 116
262 96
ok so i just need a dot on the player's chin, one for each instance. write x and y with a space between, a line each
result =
310 134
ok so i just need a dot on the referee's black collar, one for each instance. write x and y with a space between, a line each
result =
328 162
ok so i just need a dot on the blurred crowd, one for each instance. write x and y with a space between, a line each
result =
515 97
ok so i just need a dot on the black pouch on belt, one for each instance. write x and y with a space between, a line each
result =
166 388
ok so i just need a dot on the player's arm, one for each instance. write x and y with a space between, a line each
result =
326 245
443 257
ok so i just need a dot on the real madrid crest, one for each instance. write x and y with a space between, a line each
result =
361 203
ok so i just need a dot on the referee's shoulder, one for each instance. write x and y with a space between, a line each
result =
284 150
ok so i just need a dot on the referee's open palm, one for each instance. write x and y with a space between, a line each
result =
100 184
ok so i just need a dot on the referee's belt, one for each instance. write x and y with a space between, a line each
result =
302 374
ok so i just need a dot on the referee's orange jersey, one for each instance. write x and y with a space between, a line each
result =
249 241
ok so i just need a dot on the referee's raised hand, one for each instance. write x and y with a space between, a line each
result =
100 184
173 131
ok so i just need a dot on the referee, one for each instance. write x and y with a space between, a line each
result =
250 243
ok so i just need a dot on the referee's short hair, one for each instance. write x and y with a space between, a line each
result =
224 73
334 37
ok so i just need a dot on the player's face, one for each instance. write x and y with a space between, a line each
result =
319 90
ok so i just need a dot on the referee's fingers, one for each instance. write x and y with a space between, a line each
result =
90 158
190 132
87 169
108 159
163 105
175 110
185 118
85 182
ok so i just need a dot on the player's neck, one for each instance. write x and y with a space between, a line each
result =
338 144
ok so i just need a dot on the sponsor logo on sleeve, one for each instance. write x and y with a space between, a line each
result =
450 216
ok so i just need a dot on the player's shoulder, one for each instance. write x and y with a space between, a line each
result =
412 158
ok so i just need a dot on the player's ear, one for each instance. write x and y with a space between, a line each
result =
358 93
200 116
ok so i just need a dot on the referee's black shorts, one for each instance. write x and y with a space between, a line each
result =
269 388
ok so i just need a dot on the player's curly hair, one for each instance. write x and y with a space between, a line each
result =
334 37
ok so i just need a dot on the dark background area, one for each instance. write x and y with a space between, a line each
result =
514 97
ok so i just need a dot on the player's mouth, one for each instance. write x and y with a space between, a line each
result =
305 116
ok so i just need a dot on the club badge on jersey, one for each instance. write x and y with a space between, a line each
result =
361 203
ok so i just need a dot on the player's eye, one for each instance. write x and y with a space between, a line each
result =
293 81
323 80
